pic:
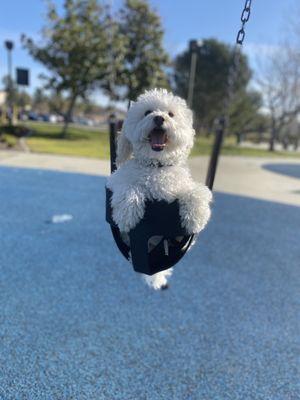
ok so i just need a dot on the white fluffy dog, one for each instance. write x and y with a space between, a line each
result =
152 153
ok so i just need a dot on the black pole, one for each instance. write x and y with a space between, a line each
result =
9 45
213 163
114 126
112 142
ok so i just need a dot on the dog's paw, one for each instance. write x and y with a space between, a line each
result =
195 210
196 222
128 211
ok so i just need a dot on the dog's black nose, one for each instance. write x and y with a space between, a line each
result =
158 120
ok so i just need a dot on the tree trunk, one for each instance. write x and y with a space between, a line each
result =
69 114
260 135
273 137
285 143
239 138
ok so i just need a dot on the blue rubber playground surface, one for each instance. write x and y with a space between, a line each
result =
77 323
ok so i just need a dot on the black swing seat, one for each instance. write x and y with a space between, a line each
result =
162 220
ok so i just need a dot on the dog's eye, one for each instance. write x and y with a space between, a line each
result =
171 114
148 112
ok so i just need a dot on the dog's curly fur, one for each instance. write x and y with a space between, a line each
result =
137 180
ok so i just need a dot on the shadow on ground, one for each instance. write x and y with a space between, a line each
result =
77 323
292 170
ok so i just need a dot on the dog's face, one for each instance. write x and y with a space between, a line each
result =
159 127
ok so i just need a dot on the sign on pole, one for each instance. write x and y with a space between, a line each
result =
22 76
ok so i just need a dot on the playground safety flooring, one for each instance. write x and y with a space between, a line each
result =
77 323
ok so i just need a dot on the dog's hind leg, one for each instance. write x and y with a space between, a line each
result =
158 281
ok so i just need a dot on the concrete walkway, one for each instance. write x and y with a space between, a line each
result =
246 176
81 165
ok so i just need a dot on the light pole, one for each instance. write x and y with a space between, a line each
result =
193 46
9 47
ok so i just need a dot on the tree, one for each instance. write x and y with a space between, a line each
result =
280 85
38 96
74 50
14 95
40 101
144 62
279 82
290 134
244 113
214 61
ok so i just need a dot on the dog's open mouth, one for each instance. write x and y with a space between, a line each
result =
158 139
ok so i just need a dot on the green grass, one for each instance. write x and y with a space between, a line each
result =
86 142
81 142
203 146
10 140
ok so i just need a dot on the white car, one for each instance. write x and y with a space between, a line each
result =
53 119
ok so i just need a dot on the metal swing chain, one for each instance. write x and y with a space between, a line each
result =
244 18
232 77
234 69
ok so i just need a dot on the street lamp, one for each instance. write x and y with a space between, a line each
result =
194 47
9 47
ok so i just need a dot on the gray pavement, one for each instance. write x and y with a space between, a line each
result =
244 176
77 323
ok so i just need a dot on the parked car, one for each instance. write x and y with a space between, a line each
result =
86 121
53 118
32 116
23 116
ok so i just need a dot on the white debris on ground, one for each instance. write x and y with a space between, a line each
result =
58 219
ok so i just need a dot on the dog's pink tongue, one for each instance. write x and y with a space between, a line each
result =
158 140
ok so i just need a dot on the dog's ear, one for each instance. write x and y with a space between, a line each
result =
124 149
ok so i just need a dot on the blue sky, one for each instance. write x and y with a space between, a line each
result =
182 20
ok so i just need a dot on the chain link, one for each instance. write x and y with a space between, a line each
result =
244 18
233 73
234 69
